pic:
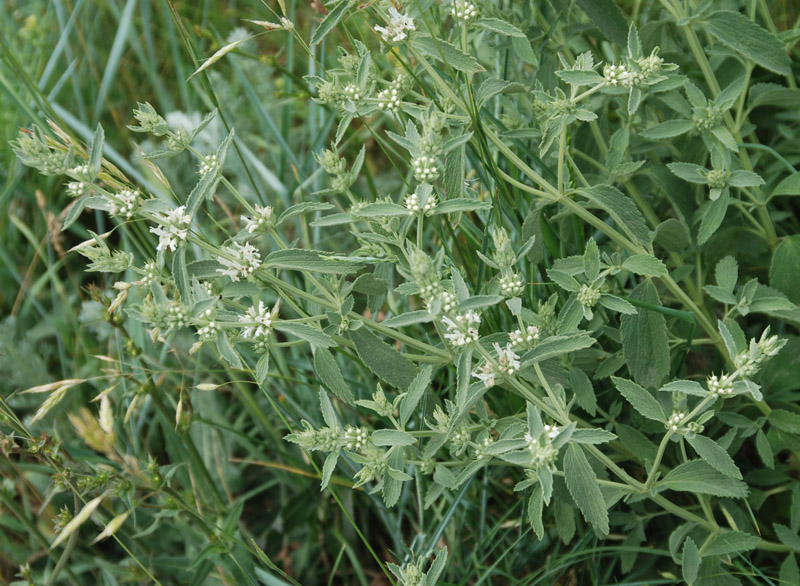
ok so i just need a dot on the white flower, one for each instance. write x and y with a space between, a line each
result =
512 285
173 228
507 359
259 321
464 11
351 91
76 188
127 203
425 169
507 363
720 386
152 274
675 420
617 75
395 31
413 206
209 164
519 339
261 218
245 260
461 331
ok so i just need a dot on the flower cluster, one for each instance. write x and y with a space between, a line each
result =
126 203
209 164
720 386
390 98
588 296
261 220
526 339
543 453
674 421
425 169
414 206
463 329
511 284
507 364
239 260
258 323
464 10
749 362
398 27
173 228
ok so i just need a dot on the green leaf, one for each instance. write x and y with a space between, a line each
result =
328 413
444 477
414 394
592 436
582 485
301 259
479 302
715 455
787 537
789 186
564 280
644 339
749 39
712 219
330 21
698 476
500 26
328 468
742 178
75 210
591 260
790 573
668 129
406 319
306 332
673 235
608 18
227 352
785 421
640 398
645 265
764 450
383 359
729 542
620 207
448 54
727 273
381 210
584 392
691 561
720 294
772 94
181 275
391 437
578 77
784 270
535 509
96 152
303 207
330 374
452 206
687 387
689 172
556 346
617 304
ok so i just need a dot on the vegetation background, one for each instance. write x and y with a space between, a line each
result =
252 506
